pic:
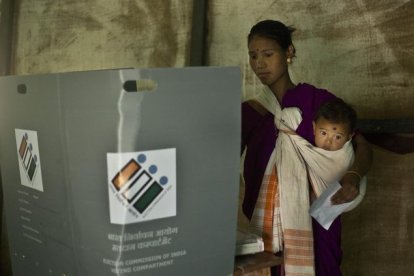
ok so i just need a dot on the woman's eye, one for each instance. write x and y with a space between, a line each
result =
323 133
338 137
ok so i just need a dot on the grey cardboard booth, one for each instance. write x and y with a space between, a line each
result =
121 172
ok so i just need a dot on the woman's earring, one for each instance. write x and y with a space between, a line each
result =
289 60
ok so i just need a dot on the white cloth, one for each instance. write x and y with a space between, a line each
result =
325 169
281 213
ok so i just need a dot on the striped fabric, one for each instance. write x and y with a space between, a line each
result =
263 216
285 226
296 244
298 251
281 215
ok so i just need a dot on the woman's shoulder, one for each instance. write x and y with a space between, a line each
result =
311 89
305 94
254 108
254 115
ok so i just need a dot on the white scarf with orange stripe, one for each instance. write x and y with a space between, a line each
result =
281 214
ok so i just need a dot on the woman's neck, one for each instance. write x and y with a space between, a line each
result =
279 89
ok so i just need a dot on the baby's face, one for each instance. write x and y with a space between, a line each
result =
330 136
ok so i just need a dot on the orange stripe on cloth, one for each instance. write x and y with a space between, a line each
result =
301 274
271 184
297 260
298 247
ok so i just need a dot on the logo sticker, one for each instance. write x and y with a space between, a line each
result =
142 185
29 159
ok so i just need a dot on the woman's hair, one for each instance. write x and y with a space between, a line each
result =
338 111
273 30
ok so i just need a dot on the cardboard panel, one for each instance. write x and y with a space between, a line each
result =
81 208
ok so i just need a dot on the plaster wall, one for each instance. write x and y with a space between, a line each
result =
72 35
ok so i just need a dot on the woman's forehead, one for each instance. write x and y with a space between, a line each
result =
259 43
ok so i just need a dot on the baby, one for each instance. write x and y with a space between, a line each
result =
329 159
334 125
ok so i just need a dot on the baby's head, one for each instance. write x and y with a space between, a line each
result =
334 124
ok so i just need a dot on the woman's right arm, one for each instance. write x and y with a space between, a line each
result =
252 115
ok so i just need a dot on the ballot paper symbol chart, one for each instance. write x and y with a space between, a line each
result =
29 159
142 185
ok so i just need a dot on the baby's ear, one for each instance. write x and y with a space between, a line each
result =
313 125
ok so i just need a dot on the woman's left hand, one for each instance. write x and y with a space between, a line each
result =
349 190
350 181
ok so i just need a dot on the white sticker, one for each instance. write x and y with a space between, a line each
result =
141 185
29 159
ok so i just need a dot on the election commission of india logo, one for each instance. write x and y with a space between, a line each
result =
29 159
141 185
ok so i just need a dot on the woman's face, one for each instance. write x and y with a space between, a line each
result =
268 60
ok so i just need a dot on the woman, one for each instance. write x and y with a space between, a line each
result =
271 51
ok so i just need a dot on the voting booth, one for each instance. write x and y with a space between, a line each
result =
119 172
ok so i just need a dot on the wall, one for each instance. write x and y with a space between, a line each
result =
378 235
362 51
72 35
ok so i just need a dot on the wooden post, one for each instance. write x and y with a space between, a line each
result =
6 38
198 33
6 35
395 135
